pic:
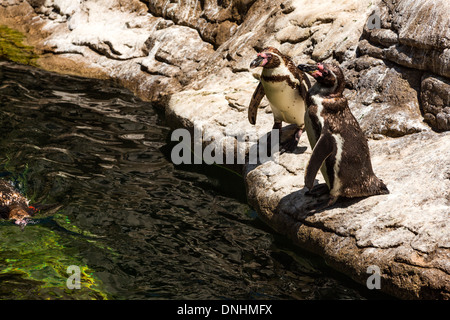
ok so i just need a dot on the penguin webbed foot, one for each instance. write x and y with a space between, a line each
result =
318 190
290 144
323 205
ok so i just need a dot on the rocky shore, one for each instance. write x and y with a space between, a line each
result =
191 59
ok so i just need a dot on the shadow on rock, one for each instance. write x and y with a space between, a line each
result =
300 205
267 147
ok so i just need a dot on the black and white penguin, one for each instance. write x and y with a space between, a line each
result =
339 145
286 87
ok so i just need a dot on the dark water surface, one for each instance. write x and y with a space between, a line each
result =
136 226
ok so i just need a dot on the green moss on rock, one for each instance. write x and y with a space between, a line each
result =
13 49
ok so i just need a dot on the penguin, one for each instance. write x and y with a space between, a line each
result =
14 206
340 148
286 87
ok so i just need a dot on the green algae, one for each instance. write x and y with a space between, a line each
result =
34 265
13 49
35 261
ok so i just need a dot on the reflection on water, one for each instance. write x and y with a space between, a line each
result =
138 227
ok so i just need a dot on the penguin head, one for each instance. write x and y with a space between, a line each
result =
19 215
268 58
326 74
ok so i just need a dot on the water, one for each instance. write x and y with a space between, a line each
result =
135 225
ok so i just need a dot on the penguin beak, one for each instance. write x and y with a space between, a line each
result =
309 68
21 223
313 69
257 62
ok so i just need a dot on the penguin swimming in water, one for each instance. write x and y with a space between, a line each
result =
339 145
14 206
286 87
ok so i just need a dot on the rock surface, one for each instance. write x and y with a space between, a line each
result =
416 35
435 100
192 59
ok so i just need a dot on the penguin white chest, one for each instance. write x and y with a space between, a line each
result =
336 188
317 100
286 102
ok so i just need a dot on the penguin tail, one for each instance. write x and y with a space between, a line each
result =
383 188
378 187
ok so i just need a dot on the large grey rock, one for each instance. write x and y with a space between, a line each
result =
215 21
416 35
111 39
435 98
413 34
383 97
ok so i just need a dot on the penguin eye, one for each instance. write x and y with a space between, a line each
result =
322 69
265 55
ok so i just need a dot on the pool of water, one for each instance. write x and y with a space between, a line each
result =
136 226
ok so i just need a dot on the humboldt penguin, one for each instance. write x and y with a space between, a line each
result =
13 205
339 145
286 87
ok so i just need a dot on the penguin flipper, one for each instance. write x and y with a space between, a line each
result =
257 96
322 150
